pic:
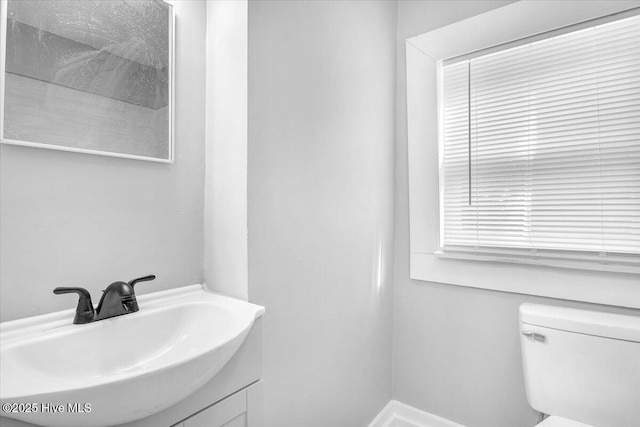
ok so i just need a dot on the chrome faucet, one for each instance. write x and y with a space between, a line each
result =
117 299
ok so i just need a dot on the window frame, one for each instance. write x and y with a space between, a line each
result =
568 277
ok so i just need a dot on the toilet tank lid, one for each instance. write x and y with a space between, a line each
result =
607 325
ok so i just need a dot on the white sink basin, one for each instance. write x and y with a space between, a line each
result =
125 368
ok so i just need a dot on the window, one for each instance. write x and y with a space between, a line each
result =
540 146
572 274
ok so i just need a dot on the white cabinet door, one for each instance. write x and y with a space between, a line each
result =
241 409
223 414
240 421
254 405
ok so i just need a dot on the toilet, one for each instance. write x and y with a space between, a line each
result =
582 368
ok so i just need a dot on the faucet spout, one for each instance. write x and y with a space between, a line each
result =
117 299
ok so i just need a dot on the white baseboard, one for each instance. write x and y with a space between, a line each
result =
397 414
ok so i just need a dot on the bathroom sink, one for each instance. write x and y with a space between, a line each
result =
121 369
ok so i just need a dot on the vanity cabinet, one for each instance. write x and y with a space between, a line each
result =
242 409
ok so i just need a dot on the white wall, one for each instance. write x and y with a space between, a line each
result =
321 131
225 215
80 220
456 349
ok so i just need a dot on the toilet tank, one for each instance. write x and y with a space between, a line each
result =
582 365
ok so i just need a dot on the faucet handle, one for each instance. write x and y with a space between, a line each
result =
133 282
84 311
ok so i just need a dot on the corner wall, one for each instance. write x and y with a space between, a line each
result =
225 184
72 219
321 131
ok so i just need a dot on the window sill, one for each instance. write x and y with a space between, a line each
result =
575 284
580 262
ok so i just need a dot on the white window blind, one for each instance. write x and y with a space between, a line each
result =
541 146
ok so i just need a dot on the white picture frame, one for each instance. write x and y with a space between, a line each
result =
50 146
